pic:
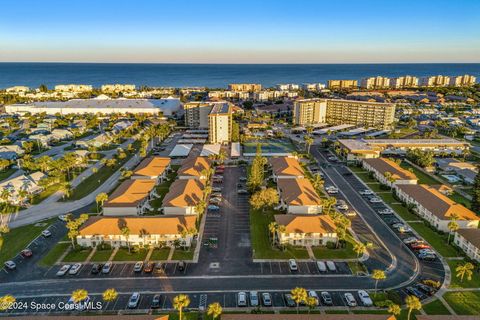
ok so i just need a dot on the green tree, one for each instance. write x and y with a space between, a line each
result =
394 309
179 302
235 132
476 192
100 199
308 142
79 295
412 303
264 199
126 233
463 270
214 310
378 275
359 248
311 303
298 295
6 302
109 295
273 227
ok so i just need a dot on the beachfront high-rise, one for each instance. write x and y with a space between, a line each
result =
220 123
462 81
336 111
404 82
245 87
342 84
118 87
78 88
375 83
435 81
309 111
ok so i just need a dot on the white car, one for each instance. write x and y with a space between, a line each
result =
426 251
331 266
133 301
75 268
293 265
216 189
366 192
375 200
107 267
351 213
332 191
254 299
63 270
410 240
138 266
342 206
350 299
365 298
314 295
397 225
63 217
403 229
322 267
46 233
242 299
10 265
385 211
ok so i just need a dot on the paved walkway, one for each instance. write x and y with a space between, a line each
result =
170 254
310 252
149 254
90 255
114 252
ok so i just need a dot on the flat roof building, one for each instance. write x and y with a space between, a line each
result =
342 84
245 87
220 124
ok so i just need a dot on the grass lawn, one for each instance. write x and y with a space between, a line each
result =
465 303
77 255
357 267
456 283
163 188
460 199
439 242
124 255
261 244
340 253
6 173
160 254
101 255
404 213
18 238
54 254
435 307
180 254
423 178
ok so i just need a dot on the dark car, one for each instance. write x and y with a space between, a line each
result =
26 253
424 288
155 302
158 268
96 268
415 292
326 298
289 302
148 267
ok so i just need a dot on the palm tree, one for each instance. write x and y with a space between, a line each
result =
281 229
126 233
318 182
179 302
308 141
273 227
66 188
298 295
378 275
359 248
214 310
72 235
394 309
109 295
311 303
413 303
452 227
464 270
100 199
79 295
6 302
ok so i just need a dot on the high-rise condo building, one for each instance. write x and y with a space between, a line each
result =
375 83
336 111
462 81
196 114
245 87
342 84
220 123
404 82
435 81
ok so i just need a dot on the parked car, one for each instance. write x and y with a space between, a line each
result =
63 270
158 268
242 191
133 301
326 298
289 302
342 205
375 200
216 194
322 267
331 266
425 289
46 233
410 240
148 267
181 266
107 267
214 201
26 253
419 245
351 213
10 265
138 266
415 292
427 257
212 207
292 264
404 229
332 190
350 299
241 299
253 299
63 217
266 299
96 268
79 305
314 295
75 268
366 192
426 251
155 302
243 179
365 298
385 211
216 189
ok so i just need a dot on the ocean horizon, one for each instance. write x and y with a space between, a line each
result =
33 74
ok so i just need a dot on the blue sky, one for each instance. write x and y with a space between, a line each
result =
262 31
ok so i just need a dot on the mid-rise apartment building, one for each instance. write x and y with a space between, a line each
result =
309 111
245 87
435 81
220 124
118 87
404 82
196 114
462 81
375 82
288 86
73 88
342 84
17 89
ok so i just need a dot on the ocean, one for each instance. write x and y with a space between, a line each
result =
211 75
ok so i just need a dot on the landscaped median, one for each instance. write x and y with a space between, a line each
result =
464 302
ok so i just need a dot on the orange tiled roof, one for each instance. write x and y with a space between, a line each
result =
130 193
193 166
384 165
305 223
298 192
184 193
152 167
285 166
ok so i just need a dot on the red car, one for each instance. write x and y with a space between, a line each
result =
419 246
26 253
